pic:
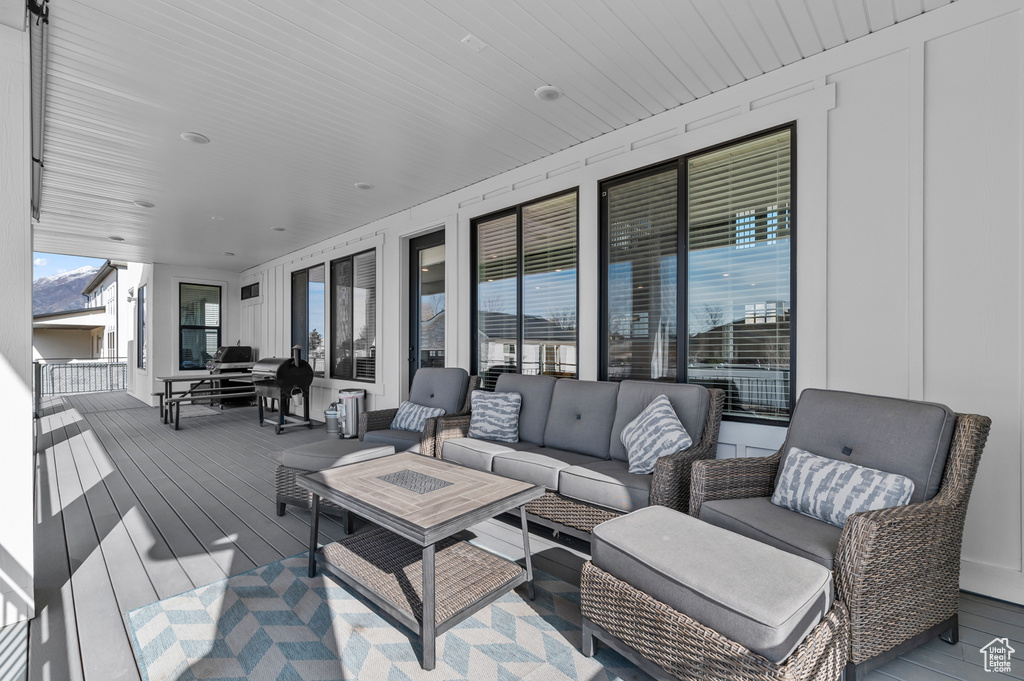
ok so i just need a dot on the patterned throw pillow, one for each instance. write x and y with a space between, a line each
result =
412 416
495 416
653 434
831 490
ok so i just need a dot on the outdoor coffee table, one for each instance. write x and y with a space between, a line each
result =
411 565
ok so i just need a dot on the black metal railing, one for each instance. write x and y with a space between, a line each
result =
68 376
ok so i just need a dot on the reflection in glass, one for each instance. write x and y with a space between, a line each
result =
432 304
497 307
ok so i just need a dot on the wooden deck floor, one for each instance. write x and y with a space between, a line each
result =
130 511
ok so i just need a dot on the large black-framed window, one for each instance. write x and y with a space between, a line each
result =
199 324
140 329
698 262
308 315
524 294
354 317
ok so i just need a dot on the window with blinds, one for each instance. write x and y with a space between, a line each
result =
724 216
525 289
308 310
354 302
198 325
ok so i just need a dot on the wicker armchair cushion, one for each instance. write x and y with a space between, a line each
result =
580 418
440 387
402 440
760 519
607 484
691 404
495 416
655 433
536 401
832 490
539 466
413 417
888 434
318 456
478 454
762 598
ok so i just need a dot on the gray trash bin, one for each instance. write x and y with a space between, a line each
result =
350 406
331 419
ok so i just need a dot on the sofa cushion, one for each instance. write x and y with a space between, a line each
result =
495 416
403 440
606 483
762 598
477 453
655 433
580 418
885 433
318 456
831 490
413 417
691 403
539 465
760 519
440 387
536 401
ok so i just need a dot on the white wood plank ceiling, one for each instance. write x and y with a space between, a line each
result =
304 98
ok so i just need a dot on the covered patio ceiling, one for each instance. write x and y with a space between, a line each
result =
303 100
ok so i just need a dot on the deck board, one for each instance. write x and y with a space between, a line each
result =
129 510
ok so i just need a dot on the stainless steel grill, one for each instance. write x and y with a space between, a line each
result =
282 379
231 359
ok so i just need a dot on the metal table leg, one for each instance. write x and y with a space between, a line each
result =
526 550
428 636
314 534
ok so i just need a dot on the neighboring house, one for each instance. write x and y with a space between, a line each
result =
69 334
111 341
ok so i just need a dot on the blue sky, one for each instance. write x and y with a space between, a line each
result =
48 264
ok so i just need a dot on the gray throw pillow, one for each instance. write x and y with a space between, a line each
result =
831 490
655 433
495 416
413 417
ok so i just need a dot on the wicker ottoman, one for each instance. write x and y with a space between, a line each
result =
685 599
319 456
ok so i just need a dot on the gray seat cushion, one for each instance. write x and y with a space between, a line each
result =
608 484
580 418
440 387
533 413
401 439
539 465
760 519
318 456
478 454
889 434
690 402
762 598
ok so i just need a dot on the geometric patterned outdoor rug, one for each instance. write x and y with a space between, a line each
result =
275 624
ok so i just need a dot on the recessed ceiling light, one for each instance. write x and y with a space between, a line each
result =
116 238
726 274
144 204
216 218
363 185
473 43
547 93
277 229
228 253
195 137
425 269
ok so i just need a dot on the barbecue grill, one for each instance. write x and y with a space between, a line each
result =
282 378
231 359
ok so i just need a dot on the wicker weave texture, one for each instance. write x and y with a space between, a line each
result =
688 650
392 567
559 509
289 491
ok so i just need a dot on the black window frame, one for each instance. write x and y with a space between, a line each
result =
183 327
516 210
140 328
251 291
303 339
350 258
682 295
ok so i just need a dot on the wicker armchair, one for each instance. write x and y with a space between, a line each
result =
898 569
670 485
454 399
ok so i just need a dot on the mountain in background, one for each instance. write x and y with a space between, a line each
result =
61 292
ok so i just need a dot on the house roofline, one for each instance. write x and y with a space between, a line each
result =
101 274
65 313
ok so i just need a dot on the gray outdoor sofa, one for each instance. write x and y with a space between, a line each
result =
569 441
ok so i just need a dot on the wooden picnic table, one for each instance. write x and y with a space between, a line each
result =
197 381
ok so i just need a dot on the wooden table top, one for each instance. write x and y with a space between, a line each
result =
235 375
419 497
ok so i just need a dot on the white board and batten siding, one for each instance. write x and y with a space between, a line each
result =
909 239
